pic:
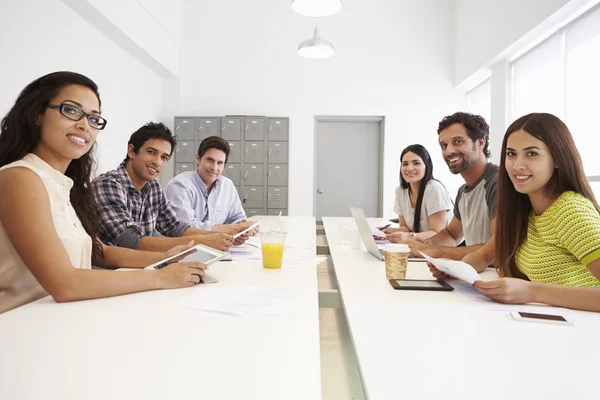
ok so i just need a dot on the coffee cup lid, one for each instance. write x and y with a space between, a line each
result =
396 248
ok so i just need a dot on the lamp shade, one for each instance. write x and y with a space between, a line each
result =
316 47
316 8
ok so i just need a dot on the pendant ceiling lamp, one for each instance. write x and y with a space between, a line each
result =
316 47
316 8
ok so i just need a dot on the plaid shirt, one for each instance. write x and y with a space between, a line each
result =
128 214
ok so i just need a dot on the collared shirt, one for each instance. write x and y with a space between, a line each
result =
128 214
192 203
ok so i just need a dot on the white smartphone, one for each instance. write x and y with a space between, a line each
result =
254 225
541 318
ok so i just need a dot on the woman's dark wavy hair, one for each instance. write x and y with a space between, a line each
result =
424 154
512 216
20 135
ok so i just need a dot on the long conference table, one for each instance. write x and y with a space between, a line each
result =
444 345
409 344
147 346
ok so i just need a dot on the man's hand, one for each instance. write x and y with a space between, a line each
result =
247 224
219 241
241 239
230 229
416 246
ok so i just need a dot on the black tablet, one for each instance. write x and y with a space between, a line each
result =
415 284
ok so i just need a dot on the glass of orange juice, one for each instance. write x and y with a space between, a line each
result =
272 248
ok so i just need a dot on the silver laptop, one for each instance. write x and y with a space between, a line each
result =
365 232
367 236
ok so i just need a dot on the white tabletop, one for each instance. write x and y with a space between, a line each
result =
430 345
147 346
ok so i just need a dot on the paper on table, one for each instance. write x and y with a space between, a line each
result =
457 269
475 296
299 261
236 300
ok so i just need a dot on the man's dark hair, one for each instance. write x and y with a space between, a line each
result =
214 142
149 131
476 127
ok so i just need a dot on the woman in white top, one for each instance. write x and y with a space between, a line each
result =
48 225
423 204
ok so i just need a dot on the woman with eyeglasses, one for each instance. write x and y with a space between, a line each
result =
48 226
423 204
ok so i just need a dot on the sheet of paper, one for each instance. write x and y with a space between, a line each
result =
243 252
480 300
377 232
299 261
457 269
236 300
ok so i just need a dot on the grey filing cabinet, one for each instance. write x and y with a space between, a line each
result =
258 160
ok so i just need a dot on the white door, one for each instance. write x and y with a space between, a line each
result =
347 168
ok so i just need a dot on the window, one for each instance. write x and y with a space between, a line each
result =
562 76
479 100
538 80
582 55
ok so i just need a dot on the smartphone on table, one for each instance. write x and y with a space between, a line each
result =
542 318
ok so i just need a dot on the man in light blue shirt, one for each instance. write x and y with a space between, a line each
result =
204 198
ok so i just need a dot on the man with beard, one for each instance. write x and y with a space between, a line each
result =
464 140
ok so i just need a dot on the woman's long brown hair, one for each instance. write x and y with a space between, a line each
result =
514 208
19 135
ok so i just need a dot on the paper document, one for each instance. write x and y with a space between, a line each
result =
458 269
376 232
237 300
478 299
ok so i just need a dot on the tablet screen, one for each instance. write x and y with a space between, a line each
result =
407 283
200 255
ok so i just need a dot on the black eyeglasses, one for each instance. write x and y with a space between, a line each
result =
76 114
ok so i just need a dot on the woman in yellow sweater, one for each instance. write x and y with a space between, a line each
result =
547 243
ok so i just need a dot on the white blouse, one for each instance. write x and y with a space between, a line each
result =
17 285
435 199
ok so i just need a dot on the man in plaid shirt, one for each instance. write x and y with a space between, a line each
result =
134 211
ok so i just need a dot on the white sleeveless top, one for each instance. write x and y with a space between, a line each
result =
17 285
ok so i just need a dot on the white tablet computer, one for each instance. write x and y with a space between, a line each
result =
254 225
199 252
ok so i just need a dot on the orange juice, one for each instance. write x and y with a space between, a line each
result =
272 254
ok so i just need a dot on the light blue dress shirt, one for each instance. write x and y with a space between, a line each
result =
192 203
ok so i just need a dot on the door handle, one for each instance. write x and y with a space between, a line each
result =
320 191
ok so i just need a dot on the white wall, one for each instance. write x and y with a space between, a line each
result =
485 28
167 14
39 37
147 29
394 59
